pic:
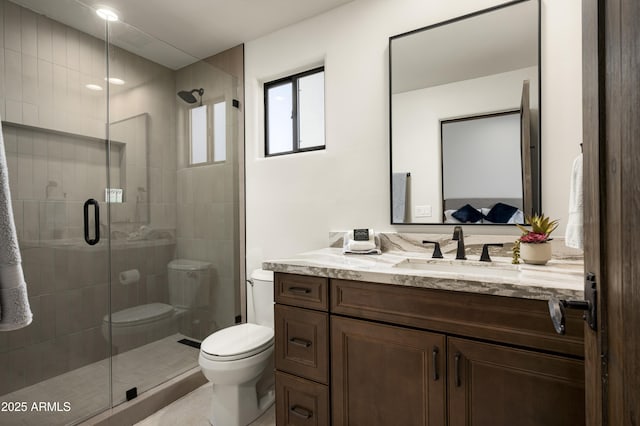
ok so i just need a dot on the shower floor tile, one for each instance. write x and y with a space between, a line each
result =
193 410
87 388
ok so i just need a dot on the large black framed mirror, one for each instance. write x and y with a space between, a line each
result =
465 118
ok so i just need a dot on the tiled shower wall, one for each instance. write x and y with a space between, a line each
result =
51 176
46 65
45 68
53 126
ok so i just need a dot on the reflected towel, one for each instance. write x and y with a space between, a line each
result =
574 234
14 305
399 197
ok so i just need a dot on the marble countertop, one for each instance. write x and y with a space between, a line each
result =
559 278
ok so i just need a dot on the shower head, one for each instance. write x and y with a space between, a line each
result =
188 97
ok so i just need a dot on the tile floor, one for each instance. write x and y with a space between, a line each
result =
193 410
87 388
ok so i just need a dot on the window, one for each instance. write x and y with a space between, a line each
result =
294 113
208 134
199 148
220 131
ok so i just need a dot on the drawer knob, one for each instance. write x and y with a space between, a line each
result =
299 290
300 342
301 412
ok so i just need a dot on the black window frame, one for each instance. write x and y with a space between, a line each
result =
293 79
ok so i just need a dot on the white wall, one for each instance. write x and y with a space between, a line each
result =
293 201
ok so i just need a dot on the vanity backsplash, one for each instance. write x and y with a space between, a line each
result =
412 242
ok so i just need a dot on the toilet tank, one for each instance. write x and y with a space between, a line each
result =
189 283
260 298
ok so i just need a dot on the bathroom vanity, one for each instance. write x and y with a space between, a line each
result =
401 340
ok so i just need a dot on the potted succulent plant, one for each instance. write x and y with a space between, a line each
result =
533 245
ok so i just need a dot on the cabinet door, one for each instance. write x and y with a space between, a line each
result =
384 375
501 386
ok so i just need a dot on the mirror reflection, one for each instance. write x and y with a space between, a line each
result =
464 119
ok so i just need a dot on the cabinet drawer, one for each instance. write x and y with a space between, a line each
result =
300 402
522 322
302 342
303 291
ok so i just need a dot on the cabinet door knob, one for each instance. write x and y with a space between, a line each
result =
301 412
456 361
434 355
300 342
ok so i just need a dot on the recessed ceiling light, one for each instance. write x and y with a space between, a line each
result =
115 80
93 87
107 14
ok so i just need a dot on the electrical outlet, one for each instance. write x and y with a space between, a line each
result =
423 211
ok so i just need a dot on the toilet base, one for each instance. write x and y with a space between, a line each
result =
239 405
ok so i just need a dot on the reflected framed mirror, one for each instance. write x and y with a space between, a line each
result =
465 119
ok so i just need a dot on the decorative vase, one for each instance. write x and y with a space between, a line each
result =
535 253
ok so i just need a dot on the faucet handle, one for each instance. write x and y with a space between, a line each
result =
437 254
457 232
484 257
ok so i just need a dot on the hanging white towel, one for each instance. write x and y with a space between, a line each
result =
574 235
399 196
15 311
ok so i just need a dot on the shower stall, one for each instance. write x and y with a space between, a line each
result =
125 160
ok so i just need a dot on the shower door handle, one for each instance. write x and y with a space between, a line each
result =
96 214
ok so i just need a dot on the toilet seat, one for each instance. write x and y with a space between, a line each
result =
237 342
141 314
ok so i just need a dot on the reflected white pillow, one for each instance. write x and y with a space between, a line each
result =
518 217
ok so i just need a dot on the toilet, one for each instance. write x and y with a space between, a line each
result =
188 282
238 360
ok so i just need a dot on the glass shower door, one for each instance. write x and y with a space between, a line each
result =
142 114
53 119
90 111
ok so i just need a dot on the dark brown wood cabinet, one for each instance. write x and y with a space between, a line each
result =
386 375
502 386
358 353
302 350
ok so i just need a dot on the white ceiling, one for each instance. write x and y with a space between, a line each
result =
175 33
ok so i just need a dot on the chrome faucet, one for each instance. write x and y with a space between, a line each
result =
459 237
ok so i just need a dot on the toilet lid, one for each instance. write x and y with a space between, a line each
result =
140 314
238 341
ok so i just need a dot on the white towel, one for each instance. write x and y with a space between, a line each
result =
14 305
399 197
574 235
370 246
